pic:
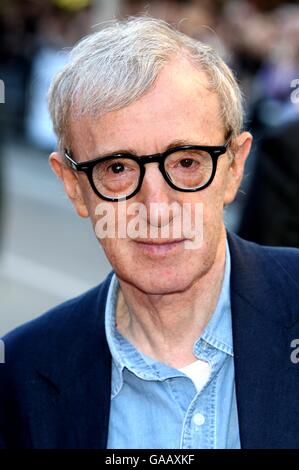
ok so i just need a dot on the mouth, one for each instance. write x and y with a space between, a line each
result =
159 247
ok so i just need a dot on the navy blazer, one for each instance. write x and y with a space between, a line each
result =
55 385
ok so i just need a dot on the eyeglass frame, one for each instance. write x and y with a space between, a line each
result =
215 151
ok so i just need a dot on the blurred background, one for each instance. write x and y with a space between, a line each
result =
47 254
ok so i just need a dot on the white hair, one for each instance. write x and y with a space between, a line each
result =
115 66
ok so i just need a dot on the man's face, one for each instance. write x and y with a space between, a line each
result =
178 108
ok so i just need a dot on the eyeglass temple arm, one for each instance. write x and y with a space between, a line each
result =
72 162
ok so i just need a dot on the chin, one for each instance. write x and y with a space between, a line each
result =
163 289
158 270
158 281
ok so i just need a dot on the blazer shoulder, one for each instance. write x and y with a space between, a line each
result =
267 277
51 334
64 349
287 258
284 259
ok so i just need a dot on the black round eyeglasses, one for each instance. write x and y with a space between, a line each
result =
119 176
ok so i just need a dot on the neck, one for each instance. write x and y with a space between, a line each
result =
165 327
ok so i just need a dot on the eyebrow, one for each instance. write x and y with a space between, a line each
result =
176 143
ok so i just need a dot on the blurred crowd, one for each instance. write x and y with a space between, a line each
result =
258 38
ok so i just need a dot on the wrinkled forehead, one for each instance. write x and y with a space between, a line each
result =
179 106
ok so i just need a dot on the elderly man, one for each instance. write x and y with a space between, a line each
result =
189 343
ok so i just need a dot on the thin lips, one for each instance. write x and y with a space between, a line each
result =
164 242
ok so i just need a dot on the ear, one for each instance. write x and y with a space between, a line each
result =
71 183
240 148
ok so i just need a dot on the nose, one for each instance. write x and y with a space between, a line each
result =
157 196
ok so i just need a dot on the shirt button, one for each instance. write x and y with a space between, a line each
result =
198 419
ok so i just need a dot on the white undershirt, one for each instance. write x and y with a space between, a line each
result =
199 372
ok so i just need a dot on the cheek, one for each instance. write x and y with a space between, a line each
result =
113 250
212 206
212 202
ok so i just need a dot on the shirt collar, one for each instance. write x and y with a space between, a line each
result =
110 327
218 332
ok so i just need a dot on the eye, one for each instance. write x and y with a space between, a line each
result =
186 162
116 167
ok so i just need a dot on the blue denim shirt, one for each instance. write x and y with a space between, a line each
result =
156 406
